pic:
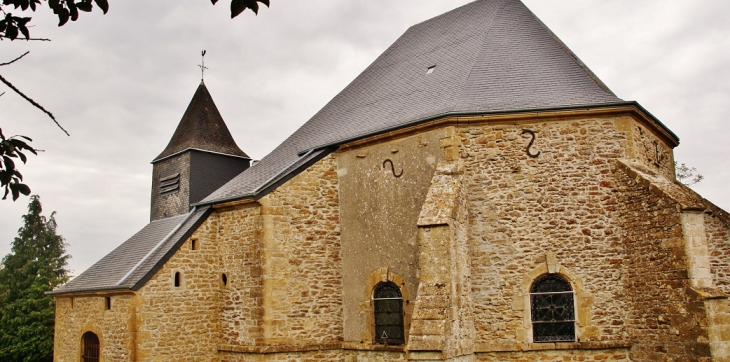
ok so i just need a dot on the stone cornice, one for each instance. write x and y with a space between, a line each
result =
521 118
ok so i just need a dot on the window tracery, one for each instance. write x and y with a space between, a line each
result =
552 310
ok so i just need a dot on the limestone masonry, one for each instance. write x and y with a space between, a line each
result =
470 212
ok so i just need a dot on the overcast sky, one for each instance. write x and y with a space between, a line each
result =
119 83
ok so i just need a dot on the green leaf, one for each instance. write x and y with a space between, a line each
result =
237 7
103 5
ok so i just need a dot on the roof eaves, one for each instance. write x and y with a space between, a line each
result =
86 290
181 239
198 149
478 113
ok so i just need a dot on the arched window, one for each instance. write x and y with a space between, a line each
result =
177 279
552 309
388 313
89 347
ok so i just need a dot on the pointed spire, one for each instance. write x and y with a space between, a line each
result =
202 128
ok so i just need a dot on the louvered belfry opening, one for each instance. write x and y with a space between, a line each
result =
552 309
90 347
388 313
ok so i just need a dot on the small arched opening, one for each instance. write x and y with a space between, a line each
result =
388 314
552 309
90 347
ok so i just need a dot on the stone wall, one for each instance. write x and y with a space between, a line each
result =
645 147
382 189
604 355
181 323
563 203
675 328
717 225
333 355
302 271
240 254
115 326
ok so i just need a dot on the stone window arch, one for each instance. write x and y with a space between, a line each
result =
552 309
379 278
388 314
90 347
585 331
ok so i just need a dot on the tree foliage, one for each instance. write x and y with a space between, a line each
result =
35 265
687 175
11 149
11 26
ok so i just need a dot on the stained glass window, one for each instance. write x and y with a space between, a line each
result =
552 309
90 347
388 310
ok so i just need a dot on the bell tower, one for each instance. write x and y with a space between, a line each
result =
201 157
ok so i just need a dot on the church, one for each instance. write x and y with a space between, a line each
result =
476 194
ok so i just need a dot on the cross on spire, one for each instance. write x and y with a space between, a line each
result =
202 66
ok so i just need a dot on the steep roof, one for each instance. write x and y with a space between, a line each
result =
202 128
131 264
487 56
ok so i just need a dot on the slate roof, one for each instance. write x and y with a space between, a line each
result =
131 264
202 128
490 56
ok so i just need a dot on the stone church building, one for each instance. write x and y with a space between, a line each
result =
476 194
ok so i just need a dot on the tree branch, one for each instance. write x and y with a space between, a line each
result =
36 39
33 103
15 60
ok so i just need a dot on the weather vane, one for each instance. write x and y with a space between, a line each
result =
202 66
